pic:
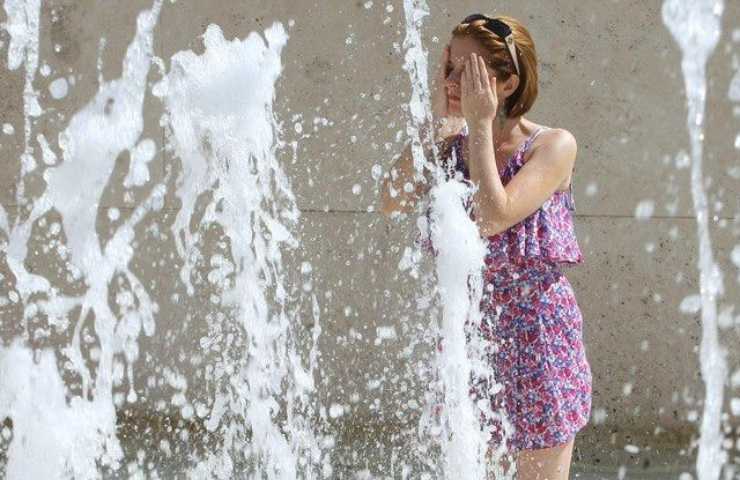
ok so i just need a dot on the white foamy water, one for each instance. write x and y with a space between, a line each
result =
459 265
22 24
51 436
695 26
415 63
459 262
225 137
79 434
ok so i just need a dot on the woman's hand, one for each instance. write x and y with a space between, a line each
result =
478 94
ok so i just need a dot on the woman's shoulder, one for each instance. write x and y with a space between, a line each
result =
554 137
557 139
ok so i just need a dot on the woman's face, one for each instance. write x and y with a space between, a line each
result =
460 50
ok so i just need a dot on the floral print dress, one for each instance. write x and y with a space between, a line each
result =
533 322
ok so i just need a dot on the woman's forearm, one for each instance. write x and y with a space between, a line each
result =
490 198
402 189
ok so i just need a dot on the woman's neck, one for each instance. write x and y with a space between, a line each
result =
508 129
507 135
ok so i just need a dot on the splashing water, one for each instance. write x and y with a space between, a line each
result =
459 266
23 26
459 263
225 137
416 65
695 25
91 143
52 438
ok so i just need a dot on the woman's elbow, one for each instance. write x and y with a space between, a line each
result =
388 202
489 228
387 209
391 208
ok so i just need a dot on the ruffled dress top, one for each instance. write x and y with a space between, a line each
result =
546 238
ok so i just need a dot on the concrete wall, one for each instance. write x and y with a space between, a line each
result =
610 74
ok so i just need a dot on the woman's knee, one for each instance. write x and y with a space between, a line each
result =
545 464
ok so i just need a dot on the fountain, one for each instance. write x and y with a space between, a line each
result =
695 25
94 137
225 139
234 221
459 254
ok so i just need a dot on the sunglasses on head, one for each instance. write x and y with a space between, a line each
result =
501 30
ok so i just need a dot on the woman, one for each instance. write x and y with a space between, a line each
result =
523 205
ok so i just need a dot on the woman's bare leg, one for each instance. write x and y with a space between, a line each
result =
545 464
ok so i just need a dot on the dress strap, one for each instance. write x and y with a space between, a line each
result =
518 155
532 137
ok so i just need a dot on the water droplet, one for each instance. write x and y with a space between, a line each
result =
734 91
627 389
376 171
735 255
644 209
632 449
58 88
599 416
735 406
690 304
621 472
682 160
